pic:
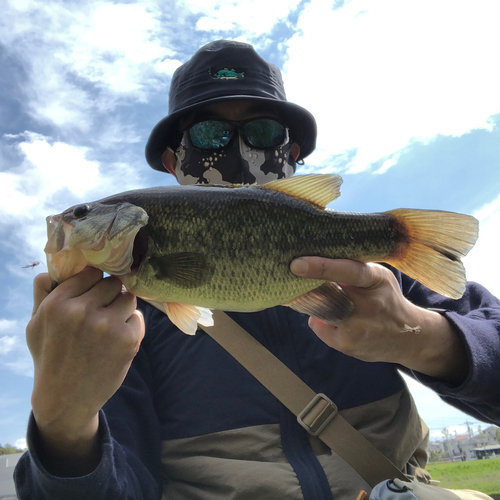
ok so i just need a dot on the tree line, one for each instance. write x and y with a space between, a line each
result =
8 449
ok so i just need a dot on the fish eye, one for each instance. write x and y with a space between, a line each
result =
80 211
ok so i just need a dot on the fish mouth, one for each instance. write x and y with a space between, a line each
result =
139 250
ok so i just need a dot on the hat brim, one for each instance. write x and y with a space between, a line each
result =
301 123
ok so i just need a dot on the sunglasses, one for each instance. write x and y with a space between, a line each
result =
258 133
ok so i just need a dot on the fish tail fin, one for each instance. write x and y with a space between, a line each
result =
433 245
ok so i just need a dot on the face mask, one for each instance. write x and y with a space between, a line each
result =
237 164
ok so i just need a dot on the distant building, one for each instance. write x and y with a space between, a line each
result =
487 451
468 447
7 464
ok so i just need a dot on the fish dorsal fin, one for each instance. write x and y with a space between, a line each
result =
319 189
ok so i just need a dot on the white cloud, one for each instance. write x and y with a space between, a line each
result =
73 54
481 264
167 66
48 167
378 74
60 165
7 344
21 444
214 24
14 353
389 163
489 212
7 402
22 364
7 325
9 341
50 177
118 46
246 15
122 29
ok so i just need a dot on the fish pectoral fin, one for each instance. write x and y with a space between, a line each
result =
319 189
328 303
184 269
186 317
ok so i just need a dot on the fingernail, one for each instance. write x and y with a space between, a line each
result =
299 267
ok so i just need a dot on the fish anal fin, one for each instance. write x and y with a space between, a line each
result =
184 269
319 189
183 316
328 303
433 244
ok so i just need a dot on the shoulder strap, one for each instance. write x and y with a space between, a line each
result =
315 412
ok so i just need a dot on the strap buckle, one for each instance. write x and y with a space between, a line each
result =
317 414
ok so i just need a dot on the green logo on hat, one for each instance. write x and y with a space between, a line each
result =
228 74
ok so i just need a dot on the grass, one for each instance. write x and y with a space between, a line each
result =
480 475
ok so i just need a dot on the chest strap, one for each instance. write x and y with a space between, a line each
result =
315 412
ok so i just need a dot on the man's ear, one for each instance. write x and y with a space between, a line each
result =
169 160
295 151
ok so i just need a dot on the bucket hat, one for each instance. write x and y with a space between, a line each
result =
221 71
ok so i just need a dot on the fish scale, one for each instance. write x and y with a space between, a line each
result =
221 227
230 247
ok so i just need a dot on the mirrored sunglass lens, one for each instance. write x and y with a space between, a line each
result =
210 134
264 133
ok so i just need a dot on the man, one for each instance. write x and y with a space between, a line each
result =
120 413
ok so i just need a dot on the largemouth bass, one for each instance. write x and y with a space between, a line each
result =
189 249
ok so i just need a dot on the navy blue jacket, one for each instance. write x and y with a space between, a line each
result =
190 422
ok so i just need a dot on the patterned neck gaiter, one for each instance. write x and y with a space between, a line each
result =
238 164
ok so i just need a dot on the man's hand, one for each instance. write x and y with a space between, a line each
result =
83 337
385 326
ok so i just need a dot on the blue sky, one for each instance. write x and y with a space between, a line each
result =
405 94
